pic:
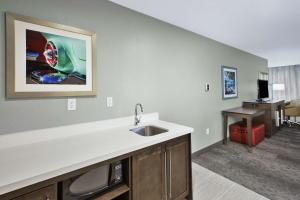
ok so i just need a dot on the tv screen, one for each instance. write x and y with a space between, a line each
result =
263 89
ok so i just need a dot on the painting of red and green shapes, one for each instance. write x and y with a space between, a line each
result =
54 59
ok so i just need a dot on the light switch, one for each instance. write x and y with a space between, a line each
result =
109 102
72 104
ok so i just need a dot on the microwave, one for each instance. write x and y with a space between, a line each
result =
91 183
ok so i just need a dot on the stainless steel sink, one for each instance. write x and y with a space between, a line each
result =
149 130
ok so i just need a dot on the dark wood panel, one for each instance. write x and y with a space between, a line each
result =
269 119
148 172
178 169
116 192
47 193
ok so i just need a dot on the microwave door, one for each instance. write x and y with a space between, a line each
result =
91 182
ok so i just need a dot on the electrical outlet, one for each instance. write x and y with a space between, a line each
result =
72 104
206 87
207 131
109 102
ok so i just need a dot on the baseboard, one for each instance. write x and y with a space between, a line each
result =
197 153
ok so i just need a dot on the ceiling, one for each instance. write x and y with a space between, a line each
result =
267 28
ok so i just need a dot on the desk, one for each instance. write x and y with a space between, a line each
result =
244 113
269 119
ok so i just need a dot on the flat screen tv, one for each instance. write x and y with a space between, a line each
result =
263 89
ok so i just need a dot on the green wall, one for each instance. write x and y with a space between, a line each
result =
140 59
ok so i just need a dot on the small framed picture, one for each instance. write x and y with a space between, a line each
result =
46 59
229 82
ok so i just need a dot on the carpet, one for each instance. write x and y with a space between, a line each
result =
272 170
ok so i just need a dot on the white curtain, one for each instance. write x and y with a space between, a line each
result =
290 77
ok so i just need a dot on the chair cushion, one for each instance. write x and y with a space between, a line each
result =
295 103
292 111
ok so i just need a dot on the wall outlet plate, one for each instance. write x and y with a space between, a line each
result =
109 102
72 104
207 131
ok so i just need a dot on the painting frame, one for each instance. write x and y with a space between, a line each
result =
229 93
12 52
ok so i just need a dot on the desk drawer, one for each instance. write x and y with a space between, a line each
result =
46 193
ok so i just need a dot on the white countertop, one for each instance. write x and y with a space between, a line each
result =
34 156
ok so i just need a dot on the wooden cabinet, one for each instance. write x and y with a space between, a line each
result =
148 175
162 173
158 172
178 169
47 193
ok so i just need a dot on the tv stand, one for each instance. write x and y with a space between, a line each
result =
269 119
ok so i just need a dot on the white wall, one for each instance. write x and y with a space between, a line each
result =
140 59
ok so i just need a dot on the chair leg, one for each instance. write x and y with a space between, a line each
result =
290 123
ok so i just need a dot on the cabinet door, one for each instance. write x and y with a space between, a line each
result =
148 175
47 193
178 169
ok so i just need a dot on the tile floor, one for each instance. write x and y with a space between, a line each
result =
208 185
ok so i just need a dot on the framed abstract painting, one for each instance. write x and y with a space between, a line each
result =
46 59
229 82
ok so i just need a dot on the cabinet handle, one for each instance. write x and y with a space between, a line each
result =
47 198
166 184
170 176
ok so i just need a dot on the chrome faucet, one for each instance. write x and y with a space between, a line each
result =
137 119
